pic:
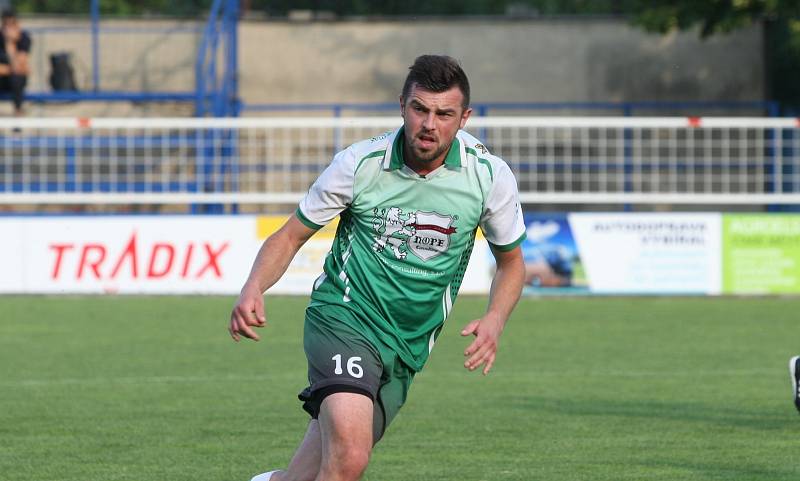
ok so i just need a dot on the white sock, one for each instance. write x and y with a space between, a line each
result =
263 476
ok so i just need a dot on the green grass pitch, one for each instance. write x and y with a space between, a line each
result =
153 389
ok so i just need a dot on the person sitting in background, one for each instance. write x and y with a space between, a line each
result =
15 44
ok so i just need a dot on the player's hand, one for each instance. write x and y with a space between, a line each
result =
247 313
483 348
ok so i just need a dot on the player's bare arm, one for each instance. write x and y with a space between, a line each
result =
505 292
271 263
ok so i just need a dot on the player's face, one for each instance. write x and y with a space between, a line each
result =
431 121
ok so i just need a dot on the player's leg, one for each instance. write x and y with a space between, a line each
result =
17 84
304 465
347 442
345 423
342 365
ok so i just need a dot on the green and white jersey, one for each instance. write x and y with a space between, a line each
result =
404 240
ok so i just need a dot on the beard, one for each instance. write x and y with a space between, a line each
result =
427 155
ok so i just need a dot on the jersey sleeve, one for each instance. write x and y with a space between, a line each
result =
502 222
330 194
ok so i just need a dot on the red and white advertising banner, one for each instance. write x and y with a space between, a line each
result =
127 254
160 255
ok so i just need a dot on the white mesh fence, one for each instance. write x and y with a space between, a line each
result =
274 160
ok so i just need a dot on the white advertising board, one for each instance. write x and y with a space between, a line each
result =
160 255
129 254
650 253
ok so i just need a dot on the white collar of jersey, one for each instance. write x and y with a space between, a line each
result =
393 158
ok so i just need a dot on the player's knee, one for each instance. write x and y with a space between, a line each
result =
352 461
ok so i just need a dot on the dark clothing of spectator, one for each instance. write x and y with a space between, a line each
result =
14 83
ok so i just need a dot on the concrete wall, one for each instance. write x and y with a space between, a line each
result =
552 60
348 61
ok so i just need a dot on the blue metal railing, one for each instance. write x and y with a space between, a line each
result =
763 107
216 92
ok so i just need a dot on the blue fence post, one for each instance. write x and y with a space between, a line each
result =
773 108
771 167
232 67
211 72
95 7
792 166
205 74
230 152
483 111
627 111
337 131
69 167
196 185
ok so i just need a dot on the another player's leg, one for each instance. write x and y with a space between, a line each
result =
304 465
794 372
345 423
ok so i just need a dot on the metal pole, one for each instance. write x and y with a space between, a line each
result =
233 54
95 45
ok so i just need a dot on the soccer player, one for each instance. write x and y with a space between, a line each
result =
794 375
410 202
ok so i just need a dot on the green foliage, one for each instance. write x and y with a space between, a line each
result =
602 389
658 15
713 16
782 25
116 7
783 61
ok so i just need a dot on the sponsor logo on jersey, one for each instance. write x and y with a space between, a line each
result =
425 234
380 136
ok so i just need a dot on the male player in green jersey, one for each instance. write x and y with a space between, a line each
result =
410 202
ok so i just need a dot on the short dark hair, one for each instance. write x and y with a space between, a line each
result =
8 13
437 73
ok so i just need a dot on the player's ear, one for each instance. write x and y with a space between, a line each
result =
464 116
402 105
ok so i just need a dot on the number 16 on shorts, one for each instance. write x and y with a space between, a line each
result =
353 368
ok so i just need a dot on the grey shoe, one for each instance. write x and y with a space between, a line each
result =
794 370
263 476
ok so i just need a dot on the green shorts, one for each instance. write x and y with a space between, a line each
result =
345 358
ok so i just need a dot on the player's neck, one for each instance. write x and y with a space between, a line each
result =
422 167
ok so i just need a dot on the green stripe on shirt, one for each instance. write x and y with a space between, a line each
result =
305 220
508 247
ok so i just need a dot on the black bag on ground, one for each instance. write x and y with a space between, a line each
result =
62 77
